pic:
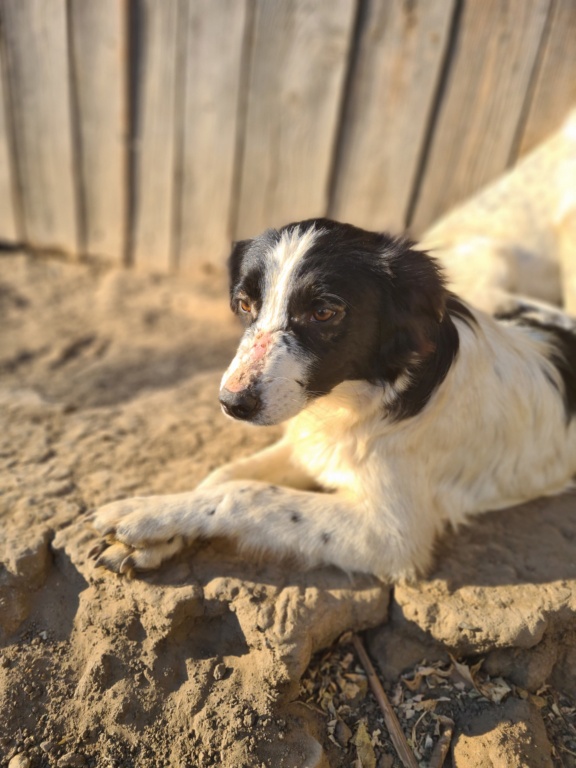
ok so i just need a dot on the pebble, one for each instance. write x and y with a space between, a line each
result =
220 671
19 761
72 760
342 733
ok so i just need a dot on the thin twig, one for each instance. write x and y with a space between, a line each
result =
442 746
396 733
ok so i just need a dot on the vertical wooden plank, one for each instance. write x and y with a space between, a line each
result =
98 60
36 56
400 58
298 68
490 71
216 30
555 87
8 227
155 122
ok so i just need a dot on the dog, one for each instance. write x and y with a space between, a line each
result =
514 242
405 410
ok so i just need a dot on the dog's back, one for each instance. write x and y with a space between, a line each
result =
518 235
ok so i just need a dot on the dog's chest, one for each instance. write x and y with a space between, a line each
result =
329 447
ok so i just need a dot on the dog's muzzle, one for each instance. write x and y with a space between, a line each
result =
238 393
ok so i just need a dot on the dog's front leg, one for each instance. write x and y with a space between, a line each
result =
273 464
315 528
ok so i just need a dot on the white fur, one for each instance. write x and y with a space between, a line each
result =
494 434
517 237
279 370
281 264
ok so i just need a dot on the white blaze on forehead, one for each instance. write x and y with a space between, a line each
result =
282 263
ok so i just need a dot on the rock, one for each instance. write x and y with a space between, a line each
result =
233 632
26 561
342 733
19 761
510 736
220 671
505 587
71 760
27 556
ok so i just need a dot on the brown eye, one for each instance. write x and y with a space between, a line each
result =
245 306
322 314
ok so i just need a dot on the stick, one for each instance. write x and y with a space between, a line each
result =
440 751
396 733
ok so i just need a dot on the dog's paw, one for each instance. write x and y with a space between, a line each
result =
106 518
123 559
135 522
138 534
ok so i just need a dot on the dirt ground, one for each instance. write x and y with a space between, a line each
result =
108 388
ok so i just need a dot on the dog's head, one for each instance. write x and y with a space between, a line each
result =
325 303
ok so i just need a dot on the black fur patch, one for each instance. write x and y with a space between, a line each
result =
562 353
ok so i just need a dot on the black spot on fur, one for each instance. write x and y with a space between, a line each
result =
562 353
210 512
295 517
325 538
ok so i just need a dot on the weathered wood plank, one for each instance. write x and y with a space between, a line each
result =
155 121
555 89
8 227
36 55
216 31
99 66
399 63
489 74
299 59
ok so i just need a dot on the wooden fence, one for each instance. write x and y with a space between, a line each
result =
152 132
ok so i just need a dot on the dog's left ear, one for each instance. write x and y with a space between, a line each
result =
416 308
239 249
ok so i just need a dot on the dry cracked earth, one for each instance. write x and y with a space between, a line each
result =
108 384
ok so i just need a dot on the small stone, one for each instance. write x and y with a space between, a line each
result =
72 760
19 761
220 671
47 746
249 719
342 733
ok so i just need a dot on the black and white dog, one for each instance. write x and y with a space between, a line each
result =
405 409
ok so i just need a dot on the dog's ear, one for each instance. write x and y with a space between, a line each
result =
416 307
239 249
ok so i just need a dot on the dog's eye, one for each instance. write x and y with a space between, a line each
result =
322 314
244 306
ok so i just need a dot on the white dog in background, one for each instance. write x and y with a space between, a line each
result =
515 241
404 408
